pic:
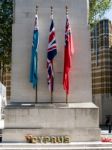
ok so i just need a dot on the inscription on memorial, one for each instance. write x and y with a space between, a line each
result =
47 139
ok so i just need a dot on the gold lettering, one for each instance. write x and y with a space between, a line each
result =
66 139
60 139
40 138
47 139
34 139
53 139
29 138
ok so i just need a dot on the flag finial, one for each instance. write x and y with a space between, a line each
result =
51 10
36 9
66 7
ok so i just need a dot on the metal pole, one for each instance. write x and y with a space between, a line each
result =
52 62
36 98
36 95
51 97
66 98
66 7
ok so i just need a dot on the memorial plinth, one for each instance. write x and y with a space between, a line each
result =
79 119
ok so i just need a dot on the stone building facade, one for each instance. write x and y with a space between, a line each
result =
101 55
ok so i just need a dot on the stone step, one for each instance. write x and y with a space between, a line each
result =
71 146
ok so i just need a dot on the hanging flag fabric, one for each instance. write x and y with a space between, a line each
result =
68 52
51 53
34 57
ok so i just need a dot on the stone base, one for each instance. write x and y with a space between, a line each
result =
79 121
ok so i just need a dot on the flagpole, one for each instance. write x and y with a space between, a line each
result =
66 7
36 98
36 95
52 62
51 97
66 98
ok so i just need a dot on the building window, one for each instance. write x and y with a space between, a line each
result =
101 27
106 41
101 41
92 43
106 27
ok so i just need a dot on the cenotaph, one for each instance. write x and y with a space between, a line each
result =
79 119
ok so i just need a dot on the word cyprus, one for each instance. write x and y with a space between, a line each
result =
47 139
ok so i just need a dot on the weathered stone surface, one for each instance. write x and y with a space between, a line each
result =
78 121
80 76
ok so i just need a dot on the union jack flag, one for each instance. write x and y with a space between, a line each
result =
51 53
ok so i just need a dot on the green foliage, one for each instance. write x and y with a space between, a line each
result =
98 9
6 10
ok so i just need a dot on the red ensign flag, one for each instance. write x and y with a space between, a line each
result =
68 52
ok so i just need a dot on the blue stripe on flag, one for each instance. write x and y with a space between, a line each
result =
34 59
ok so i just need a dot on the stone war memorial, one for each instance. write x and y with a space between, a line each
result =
77 120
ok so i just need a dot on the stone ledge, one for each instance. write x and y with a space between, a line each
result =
58 117
49 105
73 146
